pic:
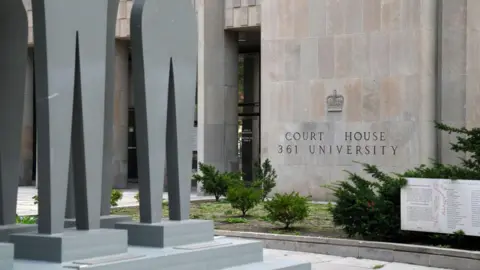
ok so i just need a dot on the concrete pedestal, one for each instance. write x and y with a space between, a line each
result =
7 230
106 222
168 233
69 245
6 256
221 253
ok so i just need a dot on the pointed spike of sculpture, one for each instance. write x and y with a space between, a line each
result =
164 84
56 26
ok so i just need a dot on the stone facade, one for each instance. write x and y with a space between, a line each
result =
242 13
399 65
379 55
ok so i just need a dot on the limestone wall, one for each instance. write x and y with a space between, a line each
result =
242 13
379 55
459 69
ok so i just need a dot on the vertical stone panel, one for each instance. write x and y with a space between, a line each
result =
217 139
120 115
472 111
375 59
28 132
452 72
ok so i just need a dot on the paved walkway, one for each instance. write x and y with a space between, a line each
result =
327 262
26 206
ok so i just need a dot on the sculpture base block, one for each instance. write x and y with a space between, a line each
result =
106 222
69 245
7 230
6 256
168 233
274 265
221 253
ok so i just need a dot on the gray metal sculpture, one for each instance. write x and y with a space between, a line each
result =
13 67
164 67
74 42
74 58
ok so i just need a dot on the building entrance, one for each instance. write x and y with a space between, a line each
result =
249 135
249 113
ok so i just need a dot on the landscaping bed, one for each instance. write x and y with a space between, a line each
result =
318 223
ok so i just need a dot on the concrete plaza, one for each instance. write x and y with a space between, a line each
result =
26 206
327 262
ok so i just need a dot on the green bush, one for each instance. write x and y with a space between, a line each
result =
26 219
214 182
467 143
369 209
288 208
115 196
243 197
265 176
442 171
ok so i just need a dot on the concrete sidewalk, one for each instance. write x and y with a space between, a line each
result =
327 262
26 206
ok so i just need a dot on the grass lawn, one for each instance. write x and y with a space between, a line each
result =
319 223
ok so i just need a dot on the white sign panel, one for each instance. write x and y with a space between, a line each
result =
441 206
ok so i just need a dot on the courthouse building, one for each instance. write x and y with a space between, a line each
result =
324 83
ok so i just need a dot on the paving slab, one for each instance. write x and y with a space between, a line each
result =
328 262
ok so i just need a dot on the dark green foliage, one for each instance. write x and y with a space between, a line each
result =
370 209
243 196
265 176
468 143
287 208
442 171
213 181
115 196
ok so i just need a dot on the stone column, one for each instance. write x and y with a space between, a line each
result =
217 88
459 71
28 132
472 111
452 59
120 116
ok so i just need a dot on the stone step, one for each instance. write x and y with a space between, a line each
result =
215 255
273 265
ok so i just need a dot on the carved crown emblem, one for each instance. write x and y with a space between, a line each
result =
335 102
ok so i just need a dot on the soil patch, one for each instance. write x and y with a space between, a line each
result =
319 222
